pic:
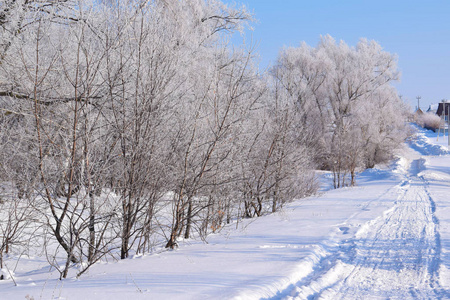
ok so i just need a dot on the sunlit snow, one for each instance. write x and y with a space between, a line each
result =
388 237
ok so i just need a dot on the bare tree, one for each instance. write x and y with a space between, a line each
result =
338 85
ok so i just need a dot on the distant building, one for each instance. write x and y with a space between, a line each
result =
443 110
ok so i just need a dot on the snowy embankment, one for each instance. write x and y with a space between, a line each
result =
387 237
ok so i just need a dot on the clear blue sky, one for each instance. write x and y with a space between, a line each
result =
417 31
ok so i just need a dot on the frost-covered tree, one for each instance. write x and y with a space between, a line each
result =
348 89
119 104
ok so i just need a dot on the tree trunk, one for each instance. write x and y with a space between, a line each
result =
126 224
353 179
274 202
91 228
188 219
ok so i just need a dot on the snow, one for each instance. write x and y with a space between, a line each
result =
389 237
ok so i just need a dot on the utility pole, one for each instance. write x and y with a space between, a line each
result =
418 102
447 110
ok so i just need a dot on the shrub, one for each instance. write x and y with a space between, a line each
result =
429 121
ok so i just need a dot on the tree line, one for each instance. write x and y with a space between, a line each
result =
125 123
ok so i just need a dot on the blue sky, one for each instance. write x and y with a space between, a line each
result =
417 31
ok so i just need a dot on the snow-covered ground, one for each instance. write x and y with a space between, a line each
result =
389 237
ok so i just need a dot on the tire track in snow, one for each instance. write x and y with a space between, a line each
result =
395 255
332 250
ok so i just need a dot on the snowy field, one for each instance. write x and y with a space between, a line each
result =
389 237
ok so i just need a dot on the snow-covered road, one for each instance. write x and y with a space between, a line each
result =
396 255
